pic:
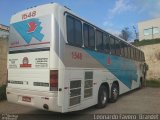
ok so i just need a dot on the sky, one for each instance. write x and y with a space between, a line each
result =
110 15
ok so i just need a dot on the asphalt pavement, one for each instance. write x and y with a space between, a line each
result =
140 101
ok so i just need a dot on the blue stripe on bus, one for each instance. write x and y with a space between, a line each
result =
124 69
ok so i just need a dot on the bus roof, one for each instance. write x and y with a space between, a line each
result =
66 9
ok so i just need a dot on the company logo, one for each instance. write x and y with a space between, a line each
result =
32 26
25 62
29 29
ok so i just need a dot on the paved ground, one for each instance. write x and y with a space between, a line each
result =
146 101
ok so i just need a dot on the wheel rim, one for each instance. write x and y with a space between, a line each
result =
115 93
104 97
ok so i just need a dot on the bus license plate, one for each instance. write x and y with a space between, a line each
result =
26 99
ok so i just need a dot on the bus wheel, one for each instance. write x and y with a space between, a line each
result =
114 93
102 97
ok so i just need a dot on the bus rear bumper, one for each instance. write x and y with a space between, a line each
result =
42 100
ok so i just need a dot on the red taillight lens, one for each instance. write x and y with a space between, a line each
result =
54 80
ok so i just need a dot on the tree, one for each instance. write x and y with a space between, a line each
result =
136 40
125 34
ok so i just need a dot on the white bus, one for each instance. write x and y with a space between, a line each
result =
59 62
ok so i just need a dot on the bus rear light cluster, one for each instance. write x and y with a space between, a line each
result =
54 80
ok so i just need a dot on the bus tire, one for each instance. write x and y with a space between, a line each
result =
114 93
102 97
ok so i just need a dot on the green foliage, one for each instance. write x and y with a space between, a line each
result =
136 40
153 83
125 34
3 92
147 42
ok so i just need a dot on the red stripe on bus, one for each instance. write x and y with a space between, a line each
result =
29 44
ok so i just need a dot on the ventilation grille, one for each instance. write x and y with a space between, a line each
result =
88 85
75 92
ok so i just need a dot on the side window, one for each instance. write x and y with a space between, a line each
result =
129 52
122 49
140 58
106 45
132 53
112 45
74 31
89 36
143 57
86 35
99 40
117 47
137 55
126 51
70 29
78 32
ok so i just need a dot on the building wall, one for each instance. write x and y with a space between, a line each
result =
3 60
3 33
152 57
4 30
151 25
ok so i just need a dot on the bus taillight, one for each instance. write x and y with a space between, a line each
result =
53 80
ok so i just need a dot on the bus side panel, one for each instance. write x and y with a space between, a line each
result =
126 71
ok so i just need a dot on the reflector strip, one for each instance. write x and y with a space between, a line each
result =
15 82
41 84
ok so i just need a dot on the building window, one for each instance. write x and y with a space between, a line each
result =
74 31
155 30
148 31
